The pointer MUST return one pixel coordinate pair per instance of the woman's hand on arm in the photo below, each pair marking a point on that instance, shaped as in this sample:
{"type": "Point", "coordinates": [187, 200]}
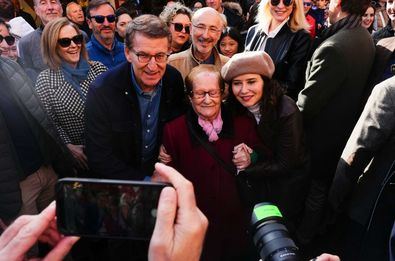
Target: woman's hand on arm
{"type": "Point", "coordinates": [163, 156]}
{"type": "Point", "coordinates": [242, 156]}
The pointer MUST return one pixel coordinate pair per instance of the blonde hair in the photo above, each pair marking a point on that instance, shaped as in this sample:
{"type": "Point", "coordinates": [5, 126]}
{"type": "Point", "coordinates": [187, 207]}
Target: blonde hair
{"type": "Point", "coordinates": [297, 20]}
{"type": "Point", "coordinates": [49, 42]}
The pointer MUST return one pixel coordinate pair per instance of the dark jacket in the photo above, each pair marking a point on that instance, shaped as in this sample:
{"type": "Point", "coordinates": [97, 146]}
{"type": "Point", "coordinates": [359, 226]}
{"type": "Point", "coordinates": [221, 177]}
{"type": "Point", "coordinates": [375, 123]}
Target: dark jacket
{"type": "Point", "coordinates": [52, 149]}
{"type": "Point", "coordinates": [113, 122]}
{"type": "Point", "coordinates": [215, 188]}
{"type": "Point", "coordinates": [384, 32]}
{"type": "Point", "coordinates": [289, 53]}
{"type": "Point", "coordinates": [233, 18]}
{"type": "Point", "coordinates": [281, 177]}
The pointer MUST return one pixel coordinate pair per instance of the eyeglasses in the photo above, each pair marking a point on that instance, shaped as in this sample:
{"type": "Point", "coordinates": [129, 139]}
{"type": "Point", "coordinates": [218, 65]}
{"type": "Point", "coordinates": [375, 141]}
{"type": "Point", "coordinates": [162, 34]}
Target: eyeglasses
{"type": "Point", "coordinates": [100, 18]}
{"type": "Point", "coordinates": [202, 94]}
{"type": "Point", "coordinates": [178, 27]}
{"type": "Point", "coordinates": [308, 4]}
{"type": "Point", "coordinates": [146, 58]}
{"type": "Point", "coordinates": [277, 2]}
{"type": "Point", "coordinates": [66, 42]}
{"type": "Point", "coordinates": [9, 39]}
{"type": "Point", "coordinates": [203, 28]}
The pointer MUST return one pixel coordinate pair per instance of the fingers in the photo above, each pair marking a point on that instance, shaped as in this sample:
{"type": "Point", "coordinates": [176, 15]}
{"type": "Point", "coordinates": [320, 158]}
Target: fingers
{"type": "Point", "coordinates": [29, 233]}
{"type": "Point", "coordinates": [13, 230]}
{"type": "Point", "coordinates": [162, 237]}
{"type": "Point", "coordinates": [184, 188]}
{"type": "Point", "coordinates": [327, 257]}
{"type": "Point", "coordinates": [61, 249]}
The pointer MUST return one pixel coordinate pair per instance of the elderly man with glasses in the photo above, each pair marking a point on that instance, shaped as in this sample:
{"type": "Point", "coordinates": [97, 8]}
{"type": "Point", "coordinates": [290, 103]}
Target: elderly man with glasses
{"type": "Point", "coordinates": [207, 25]}
{"type": "Point", "coordinates": [103, 46]}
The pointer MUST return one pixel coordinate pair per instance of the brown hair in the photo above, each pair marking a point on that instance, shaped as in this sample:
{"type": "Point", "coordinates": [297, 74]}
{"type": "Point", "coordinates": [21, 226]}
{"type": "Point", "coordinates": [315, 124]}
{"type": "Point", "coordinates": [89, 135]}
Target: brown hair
{"type": "Point", "coordinates": [49, 42]}
{"type": "Point", "coordinates": [199, 69]}
{"type": "Point", "coordinates": [93, 4]}
{"type": "Point", "coordinates": [148, 25]}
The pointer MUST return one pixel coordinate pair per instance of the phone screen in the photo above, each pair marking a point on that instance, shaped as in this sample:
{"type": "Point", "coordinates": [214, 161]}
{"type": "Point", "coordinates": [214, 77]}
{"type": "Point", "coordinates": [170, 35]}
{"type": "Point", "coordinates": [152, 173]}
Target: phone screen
{"type": "Point", "coordinates": [107, 208]}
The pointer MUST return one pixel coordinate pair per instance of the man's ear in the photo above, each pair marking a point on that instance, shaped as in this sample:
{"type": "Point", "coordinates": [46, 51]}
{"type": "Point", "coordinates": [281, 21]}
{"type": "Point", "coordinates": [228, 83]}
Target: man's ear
{"type": "Point", "coordinates": [89, 22]}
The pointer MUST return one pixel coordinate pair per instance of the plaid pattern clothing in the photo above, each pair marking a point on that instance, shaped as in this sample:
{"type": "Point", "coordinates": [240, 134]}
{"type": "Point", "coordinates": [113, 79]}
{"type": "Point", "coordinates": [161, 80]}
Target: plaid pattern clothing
{"type": "Point", "coordinates": [64, 104]}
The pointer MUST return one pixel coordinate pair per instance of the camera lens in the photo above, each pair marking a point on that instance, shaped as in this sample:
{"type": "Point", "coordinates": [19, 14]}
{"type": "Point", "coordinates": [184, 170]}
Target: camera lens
{"type": "Point", "coordinates": [270, 236]}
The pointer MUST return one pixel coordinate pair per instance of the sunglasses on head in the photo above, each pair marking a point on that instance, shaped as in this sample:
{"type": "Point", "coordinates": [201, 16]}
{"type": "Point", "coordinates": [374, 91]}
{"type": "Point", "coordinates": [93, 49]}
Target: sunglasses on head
{"type": "Point", "coordinates": [66, 42]}
{"type": "Point", "coordinates": [100, 18]}
{"type": "Point", "coordinates": [277, 2]}
{"type": "Point", "coordinates": [178, 27]}
{"type": "Point", "coordinates": [10, 40]}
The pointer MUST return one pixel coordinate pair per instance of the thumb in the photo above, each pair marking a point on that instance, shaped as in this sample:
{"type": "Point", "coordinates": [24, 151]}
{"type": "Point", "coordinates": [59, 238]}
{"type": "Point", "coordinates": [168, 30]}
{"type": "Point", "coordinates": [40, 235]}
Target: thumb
{"type": "Point", "coordinates": [164, 226]}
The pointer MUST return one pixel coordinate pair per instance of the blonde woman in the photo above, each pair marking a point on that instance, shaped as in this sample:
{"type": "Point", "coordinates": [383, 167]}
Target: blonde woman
{"type": "Point", "coordinates": [63, 87]}
{"type": "Point", "coordinates": [282, 32]}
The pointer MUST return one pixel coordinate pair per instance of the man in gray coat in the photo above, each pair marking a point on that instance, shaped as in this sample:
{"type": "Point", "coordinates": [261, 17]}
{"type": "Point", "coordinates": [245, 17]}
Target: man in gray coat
{"type": "Point", "coordinates": [359, 191]}
{"type": "Point", "coordinates": [29, 45]}
{"type": "Point", "coordinates": [331, 99]}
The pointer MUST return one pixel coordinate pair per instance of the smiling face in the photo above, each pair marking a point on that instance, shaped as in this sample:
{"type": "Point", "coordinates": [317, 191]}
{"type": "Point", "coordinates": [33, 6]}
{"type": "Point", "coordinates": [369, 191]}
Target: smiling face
{"type": "Point", "coordinates": [280, 12]}
{"type": "Point", "coordinates": [206, 31]}
{"type": "Point", "coordinates": [248, 89]}
{"type": "Point", "coordinates": [179, 38]}
{"type": "Point", "coordinates": [228, 46]}
{"type": "Point", "coordinates": [391, 9]}
{"type": "Point", "coordinates": [103, 32]}
{"type": "Point", "coordinates": [122, 22]}
{"type": "Point", "coordinates": [5, 49]}
{"type": "Point", "coordinates": [72, 53]}
{"type": "Point", "coordinates": [368, 17]}
{"type": "Point", "coordinates": [148, 74]}
{"type": "Point", "coordinates": [207, 107]}
{"type": "Point", "coordinates": [48, 10]}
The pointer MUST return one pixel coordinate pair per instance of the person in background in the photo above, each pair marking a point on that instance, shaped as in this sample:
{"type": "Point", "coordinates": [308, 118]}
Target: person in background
{"type": "Point", "coordinates": [282, 32]}
{"type": "Point", "coordinates": [207, 25]}
{"type": "Point", "coordinates": [178, 18]}
{"type": "Point", "coordinates": [7, 42]}
{"type": "Point", "coordinates": [280, 174]}
{"type": "Point", "coordinates": [307, 4]}
{"type": "Point", "coordinates": [197, 4]}
{"type": "Point", "coordinates": [209, 124]}
{"type": "Point", "coordinates": [318, 12]}
{"type": "Point", "coordinates": [10, 9]}
{"type": "Point", "coordinates": [65, 54]}
{"type": "Point", "coordinates": [29, 45]}
{"type": "Point", "coordinates": [103, 46]}
{"type": "Point", "coordinates": [368, 18]}
{"type": "Point", "coordinates": [388, 30]}
{"type": "Point", "coordinates": [232, 17]}
{"type": "Point", "coordinates": [75, 14]}
{"type": "Point", "coordinates": [124, 17]}
{"type": "Point", "coordinates": [20, 12]}
{"type": "Point", "coordinates": [230, 42]}
{"type": "Point", "coordinates": [381, 18]}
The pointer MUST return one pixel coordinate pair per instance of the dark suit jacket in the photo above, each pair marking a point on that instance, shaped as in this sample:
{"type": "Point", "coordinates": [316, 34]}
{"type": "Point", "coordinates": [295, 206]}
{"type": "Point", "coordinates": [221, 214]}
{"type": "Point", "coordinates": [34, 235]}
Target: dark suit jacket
{"type": "Point", "coordinates": [330, 101]}
{"type": "Point", "coordinates": [113, 122]}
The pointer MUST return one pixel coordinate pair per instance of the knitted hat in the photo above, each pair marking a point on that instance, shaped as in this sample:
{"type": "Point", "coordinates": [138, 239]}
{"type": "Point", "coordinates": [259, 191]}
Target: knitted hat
{"type": "Point", "coordinates": [248, 62]}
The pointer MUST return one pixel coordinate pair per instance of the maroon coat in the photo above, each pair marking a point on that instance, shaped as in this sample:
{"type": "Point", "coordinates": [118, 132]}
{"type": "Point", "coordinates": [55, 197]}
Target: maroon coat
{"type": "Point", "coordinates": [215, 188]}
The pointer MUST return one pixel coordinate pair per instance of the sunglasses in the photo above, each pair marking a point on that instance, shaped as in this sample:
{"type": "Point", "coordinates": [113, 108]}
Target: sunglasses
{"type": "Point", "coordinates": [66, 42]}
{"type": "Point", "coordinates": [307, 4]}
{"type": "Point", "coordinates": [9, 39]}
{"type": "Point", "coordinates": [178, 27]}
{"type": "Point", "coordinates": [100, 18]}
{"type": "Point", "coordinates": [277, 2]}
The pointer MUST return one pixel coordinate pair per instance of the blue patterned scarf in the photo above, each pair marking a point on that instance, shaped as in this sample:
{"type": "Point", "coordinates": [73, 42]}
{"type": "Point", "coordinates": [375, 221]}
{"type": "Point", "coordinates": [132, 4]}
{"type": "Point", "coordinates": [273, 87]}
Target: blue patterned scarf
{"type": "Point", "coordinates": [75, 76]}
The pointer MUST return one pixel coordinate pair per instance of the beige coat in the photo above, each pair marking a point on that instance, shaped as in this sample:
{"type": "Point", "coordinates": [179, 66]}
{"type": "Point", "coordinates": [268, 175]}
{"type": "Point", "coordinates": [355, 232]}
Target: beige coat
{"type": "Point", "coordinates": [184, 61]}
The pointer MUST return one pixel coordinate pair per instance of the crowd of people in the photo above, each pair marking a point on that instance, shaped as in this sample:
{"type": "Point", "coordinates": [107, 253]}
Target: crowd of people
{"type": "Point", "coordinates": [282, 101]}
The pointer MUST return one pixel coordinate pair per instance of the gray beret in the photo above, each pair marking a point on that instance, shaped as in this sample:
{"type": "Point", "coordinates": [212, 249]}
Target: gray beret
{"type": "Point", "coordinates": [258, 62]}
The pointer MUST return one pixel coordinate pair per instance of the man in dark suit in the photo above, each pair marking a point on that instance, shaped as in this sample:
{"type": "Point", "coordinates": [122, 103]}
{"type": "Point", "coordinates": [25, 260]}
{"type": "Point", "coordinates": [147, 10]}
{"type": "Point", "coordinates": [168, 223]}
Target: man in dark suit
{"type": "Point", "coordinates": [331, 99]}
{"type": "Point", "coordinates": [127, 107]}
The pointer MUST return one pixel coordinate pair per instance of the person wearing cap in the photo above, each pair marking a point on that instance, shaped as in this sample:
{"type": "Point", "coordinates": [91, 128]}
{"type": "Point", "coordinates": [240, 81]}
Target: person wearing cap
{"type": "Point", "coordinates": [279, 176]}
{"type": "Point", "coordinates": [207, 124]}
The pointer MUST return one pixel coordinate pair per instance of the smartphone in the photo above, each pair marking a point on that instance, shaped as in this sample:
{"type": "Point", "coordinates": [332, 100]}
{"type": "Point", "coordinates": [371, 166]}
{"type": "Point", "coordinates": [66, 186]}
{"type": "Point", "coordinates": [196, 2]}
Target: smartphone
{"type": "Point", "coordinates": [107, 208]}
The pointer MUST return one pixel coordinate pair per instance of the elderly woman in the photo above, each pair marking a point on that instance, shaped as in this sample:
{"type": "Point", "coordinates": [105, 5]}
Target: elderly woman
{"type": "Point", "coordinates": [63, 87]}
{"type": "Point", "coordinates": [178, 18]}
{"type": "Point", "coordinates": [283, 32]}
{"type": "Point", "coordinates": [206, 127]}
{"type": "Point", "coordinates": [280, 175]}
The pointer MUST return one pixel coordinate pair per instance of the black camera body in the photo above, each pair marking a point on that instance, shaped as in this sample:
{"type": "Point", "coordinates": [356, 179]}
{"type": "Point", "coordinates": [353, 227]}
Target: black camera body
{"type": "Point", "coordinates": [270, 236]}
